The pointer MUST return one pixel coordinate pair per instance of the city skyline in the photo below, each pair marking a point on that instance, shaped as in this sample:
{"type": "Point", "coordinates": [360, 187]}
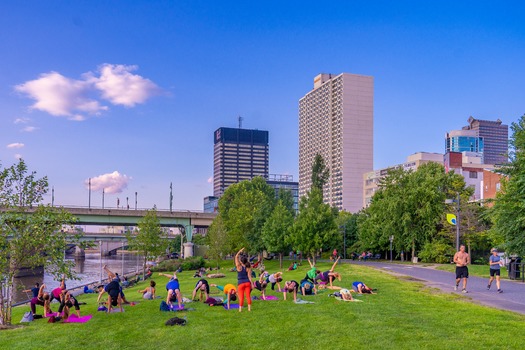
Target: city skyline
{"type": "Point", "coordinates": [128, 95]}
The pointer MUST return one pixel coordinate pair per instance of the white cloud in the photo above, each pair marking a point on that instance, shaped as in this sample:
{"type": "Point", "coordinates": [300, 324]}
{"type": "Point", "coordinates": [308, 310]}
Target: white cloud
{"type": "Point", "coordinates": [29, 128]}
{"type": "Point", "coordinates": [60, 96]}
{"type": "Point", "coordinates": [210, 180]}
{"type": "Point", "coordinates": [65, 97]}
{"type": "Point", "coordinates": [15, 145]}
{"type": "Point", "coordinates": [111, 183]}
{"type": "Point", "coordinates": [22, 120]}
{"type": "Point", "coordinates": [119, 86]}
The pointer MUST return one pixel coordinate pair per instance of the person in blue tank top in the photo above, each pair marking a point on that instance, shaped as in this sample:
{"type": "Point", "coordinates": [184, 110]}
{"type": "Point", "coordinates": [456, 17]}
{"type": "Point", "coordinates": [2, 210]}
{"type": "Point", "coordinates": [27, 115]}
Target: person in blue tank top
{"type": "Point", "coordinates": [495, 263]}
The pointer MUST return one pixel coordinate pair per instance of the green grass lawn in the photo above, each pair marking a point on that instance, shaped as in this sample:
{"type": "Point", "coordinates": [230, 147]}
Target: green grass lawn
{"type": "Point", "coordinates": [403, 314]}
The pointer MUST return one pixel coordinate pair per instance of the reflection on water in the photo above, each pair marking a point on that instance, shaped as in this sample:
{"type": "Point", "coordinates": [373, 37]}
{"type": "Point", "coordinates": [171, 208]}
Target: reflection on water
{"type": "Point", "coordinates": [88, 269]}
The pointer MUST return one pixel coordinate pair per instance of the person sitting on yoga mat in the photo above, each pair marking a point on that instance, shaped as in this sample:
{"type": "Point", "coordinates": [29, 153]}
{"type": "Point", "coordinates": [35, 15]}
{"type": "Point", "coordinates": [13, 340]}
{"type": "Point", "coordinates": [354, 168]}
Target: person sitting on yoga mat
{"type": "Point", "coordinates": [308, 287]}
{"type": "Point", "coordinates": [229, 290]}
{"type": "Point", "coordinates": [330, 275]}
{"type": "Point", "coordinates": [173, 289]}
{"type": "Point", "coordinates": [260, 285]}
{"type": "Point", "coordinates": [204, 288]}
{"type": "Point", "coordinates": [114, 296]}
{"type": "Point", "coordinates": [291, 287]}
{"type": "Point", "coordinates": [149, 292]}
{"type": "Point", "coordinates": [275, 278]}
{"type": "Point", "coordinates": [244, 279]}
{"type": "Point", "coordinates": [68, 301]}
{"type": "Point", "coordinates": [362, 288]}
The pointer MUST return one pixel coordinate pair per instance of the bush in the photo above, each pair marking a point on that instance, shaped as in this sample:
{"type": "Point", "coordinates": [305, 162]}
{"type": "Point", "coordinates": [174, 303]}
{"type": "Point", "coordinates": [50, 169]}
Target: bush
{"type": "Point", "coordinates": [436, 252]}
{"type": "Point", "coordinates": [190, 263]}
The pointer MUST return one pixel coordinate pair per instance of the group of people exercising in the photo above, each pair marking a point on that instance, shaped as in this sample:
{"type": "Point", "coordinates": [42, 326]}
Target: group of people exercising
{"type": "Point", "coordinates": [246, 282]}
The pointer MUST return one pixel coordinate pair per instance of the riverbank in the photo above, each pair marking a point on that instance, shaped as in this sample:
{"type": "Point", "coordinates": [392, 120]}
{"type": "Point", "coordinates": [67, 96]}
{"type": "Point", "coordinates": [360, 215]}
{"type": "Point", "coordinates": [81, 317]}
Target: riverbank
{"type": "Point", "coordinates": [403, 314]}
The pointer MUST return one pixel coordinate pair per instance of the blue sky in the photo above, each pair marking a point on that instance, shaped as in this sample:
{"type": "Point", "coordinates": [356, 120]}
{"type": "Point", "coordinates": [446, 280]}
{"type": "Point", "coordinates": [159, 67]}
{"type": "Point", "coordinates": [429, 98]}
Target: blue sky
{"type": "Point", "coordinates": [90, 88]}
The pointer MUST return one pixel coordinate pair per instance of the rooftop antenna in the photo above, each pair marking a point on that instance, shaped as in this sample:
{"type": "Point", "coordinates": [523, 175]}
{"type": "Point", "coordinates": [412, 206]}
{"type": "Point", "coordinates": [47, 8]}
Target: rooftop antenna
{"type": "Point", "coordinates": [240, 121]}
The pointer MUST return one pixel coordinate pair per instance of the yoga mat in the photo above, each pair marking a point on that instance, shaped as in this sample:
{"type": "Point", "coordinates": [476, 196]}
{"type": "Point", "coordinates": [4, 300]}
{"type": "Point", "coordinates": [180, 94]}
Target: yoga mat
{"type": "Point", "coordinates": [270, 297]}
{"type": "Point", "coordinates": [341, 299]}
{"type": "Point", "coordinates": [301, 301]}
{"type": "Point", "coordinates": [75, 319]}
{"type": "Point", "coordinates": [177, 308]}
{"type": "Point", "coordinates": [232, 306]}
{"type": "Point", "coordinates": [117, 309]}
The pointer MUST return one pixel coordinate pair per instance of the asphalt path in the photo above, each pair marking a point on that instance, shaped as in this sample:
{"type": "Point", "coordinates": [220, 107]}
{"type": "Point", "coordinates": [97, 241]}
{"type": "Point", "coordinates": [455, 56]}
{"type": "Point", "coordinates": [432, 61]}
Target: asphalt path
{"type": "Point", "coordinates": [512, 298]}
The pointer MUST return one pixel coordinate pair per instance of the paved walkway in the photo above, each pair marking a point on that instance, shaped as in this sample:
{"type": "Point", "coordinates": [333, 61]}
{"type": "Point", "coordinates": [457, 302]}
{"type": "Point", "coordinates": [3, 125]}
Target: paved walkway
{"type": "Point", "coordinates": [512, 298]}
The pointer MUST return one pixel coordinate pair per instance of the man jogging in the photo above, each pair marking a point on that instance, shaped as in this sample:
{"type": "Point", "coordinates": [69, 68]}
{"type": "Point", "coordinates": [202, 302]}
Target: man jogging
{"type": "Point", "coordinates": [461, 259]}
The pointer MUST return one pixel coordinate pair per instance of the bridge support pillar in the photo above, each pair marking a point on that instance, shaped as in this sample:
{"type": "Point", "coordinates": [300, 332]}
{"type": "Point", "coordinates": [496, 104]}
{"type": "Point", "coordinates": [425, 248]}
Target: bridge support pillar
{"type": "Point", "coordinates": [79, 252]}
{"type": "Point", "coordinates": [188, 249]}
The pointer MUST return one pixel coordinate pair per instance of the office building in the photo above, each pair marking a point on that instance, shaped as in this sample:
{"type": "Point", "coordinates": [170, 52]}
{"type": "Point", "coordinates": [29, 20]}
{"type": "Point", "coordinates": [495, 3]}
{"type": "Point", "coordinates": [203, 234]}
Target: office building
{"type": "Point", "coordinates": [336, 121]}
{"type": "Point", "coordinates": [211, 204]}
{"type": "Point", "coordinates": [287, 183]}
{"type": "Point", "coordinates": [464, 141]}
{"type": "Point", "coordinates": [238, 154]}
{"type": "Point", "coordinates": [495, 138]}
{"type": "Point", "coordinates": [371, 179]}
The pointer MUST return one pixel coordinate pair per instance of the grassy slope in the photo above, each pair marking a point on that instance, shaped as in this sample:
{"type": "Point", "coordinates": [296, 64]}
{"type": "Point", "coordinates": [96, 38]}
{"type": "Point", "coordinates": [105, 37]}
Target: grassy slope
{"type": "Point", "coordinates": [403, 314]}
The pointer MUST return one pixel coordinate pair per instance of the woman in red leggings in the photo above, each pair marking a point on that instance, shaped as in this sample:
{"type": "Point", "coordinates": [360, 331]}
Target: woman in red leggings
{"type": "Point", "coordinates": [244, 279]}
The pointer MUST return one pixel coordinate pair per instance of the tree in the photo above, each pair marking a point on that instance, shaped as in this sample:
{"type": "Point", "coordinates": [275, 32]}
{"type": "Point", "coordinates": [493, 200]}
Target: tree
{"type": "Point", "coordinates": [315, 226]}
{"type": "Point", "coordinates": [217, 240]}
{"type": "Point", "coordinates": [245, 207]}
{"type": "Point", "coordinates": [508, 213]}
{"type": "Point", "coordinates": [30, 237]}
{"type": "Point", "coordinates": [320, 173]}
{"type": "Point", "coordinates": [149, 239]}
{"type": "Point", "coordinates": [347, 223]}
{"type": "Point", "coordinates": [276, 229]}
{"type": "Point", "coordinates": [410, 206]}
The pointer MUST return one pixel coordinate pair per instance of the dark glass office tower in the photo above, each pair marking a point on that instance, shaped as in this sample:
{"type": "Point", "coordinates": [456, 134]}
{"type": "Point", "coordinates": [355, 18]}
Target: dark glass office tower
{"type": "Point", "coordinates": [238, 154]}
{"type": "Point", "coordinates": [495, 137]}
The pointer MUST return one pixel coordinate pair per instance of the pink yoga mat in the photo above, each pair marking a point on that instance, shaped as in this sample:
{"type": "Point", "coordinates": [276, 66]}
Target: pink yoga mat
{"type": "Point", "coordinates": [270, 297]}
{"type": "Point", "coordinates": [75, 319]}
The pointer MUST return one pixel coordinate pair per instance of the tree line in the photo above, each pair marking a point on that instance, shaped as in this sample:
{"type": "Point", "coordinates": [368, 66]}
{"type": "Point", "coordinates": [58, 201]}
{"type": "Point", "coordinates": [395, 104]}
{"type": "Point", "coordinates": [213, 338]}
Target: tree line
{"type": "Point", "coordinates": [410, 206]}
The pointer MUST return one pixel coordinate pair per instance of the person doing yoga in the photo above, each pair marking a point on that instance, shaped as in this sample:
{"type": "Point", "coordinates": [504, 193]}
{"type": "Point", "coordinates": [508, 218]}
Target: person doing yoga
{"type": "Point", "coordinates": [204, 288]}
{"type": "Point", "coordinates": [330, 275]}
{"type": "Point", "coordinates": [173, 289]}
{"type": "Point", "coordinates": [244, 279]}
{"type": "Point", "coordinates": [230, 292]}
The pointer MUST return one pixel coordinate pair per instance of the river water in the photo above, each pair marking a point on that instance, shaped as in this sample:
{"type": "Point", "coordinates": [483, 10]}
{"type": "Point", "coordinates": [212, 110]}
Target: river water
{"type": "Point", "coordinates": [88, 269]}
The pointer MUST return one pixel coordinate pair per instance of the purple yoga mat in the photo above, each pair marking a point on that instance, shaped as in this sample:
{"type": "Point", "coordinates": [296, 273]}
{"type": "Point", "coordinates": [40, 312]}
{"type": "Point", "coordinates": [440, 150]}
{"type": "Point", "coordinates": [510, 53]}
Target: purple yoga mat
{"type": "Point", "coordinates": [270, 297]}
{"type": "Point", "coordinates": [232, 306]}
{"type": "Point", "coordinates": [75, 319]}
{"type": "Point", "coordinates": [177, 308]}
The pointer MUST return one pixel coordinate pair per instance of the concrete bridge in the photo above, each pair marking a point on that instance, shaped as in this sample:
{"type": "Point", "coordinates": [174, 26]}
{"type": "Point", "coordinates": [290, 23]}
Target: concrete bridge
{"type": "Point", "coordinates": [184, 221]}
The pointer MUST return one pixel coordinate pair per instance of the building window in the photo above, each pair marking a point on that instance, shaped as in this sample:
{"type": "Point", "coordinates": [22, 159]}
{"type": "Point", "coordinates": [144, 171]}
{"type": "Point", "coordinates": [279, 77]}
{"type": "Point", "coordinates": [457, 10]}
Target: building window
{"type": "Point", "coordinates": [473, 174]}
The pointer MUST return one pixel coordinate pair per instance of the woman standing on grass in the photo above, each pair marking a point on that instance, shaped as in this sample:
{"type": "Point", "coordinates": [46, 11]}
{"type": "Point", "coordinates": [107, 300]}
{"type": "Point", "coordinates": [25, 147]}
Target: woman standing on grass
{"type": "Point", "coordinates": [244, 280]}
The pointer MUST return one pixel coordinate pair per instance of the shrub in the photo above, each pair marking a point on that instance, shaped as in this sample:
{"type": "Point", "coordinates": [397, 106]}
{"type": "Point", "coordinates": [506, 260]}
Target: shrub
{"type": "Point", "coordinates": [436, 252]}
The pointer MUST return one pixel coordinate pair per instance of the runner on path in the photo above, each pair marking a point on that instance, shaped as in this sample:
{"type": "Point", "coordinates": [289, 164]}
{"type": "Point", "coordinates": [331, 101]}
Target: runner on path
{"type": "Point", "coordinates": [462, 259]}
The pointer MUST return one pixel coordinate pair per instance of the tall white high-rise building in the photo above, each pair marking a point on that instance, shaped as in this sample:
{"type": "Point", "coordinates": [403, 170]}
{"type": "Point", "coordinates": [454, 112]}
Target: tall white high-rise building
{"type": "Point", "coordinates": [336, 120]}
